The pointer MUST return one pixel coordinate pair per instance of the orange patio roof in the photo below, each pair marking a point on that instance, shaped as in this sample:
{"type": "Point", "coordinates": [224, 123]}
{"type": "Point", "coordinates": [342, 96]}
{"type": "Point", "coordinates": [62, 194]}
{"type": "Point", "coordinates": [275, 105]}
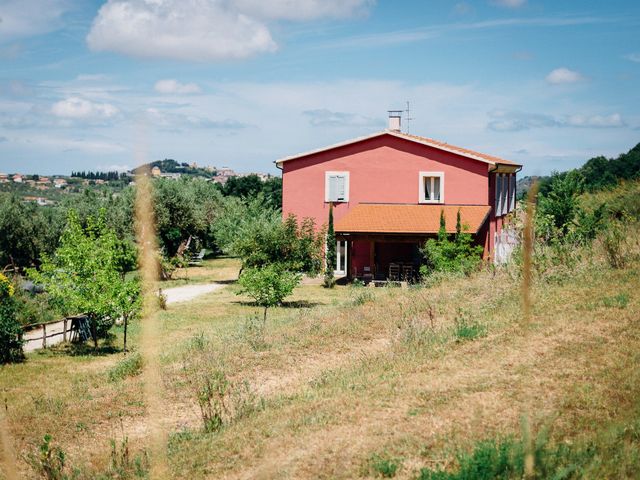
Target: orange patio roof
{"type": "Point", "coordinates": [410, 219]}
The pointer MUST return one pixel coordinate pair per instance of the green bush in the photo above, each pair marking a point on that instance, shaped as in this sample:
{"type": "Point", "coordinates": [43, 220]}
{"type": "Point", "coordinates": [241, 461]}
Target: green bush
{"type": "Point", "coordinates": [444, 254]}
{"type": "Point", "coordinates": [10, 329]}
{"type": "Point", "coordinates": [129, 366]}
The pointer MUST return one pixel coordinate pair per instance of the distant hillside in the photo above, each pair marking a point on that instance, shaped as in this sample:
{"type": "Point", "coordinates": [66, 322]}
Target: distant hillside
{"type": "Point", "coordinates": [596, 174]}
{"type": "Point", "coordinates": [169, 165]}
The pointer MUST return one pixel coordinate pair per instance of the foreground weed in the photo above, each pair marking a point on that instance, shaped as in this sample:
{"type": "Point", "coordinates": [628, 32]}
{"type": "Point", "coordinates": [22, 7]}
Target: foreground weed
{"type": "Point", "coordinates": [129, 366]}
{"type": "Point", "coordinates": [617, 301]}
{"type": "Point", "coordinates": [220, 399]}
{"type": "Point", "coordinates": [252, 332]}
{"type": "Point", "coordinates": [467, 328]}
{"type": "Point", "coordinates": [359, 294]}
{"type": "Point", "coordinates": [50, 460]}
{"type": "Point", "coordinates": [383, 466]}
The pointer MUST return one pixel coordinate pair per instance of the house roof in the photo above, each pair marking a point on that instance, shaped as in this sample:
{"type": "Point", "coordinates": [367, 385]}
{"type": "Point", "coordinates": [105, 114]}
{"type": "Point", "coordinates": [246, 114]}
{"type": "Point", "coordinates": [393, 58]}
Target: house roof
{"type": "Point", "coordinates": [413, 219]}
{"type": "Point", "coordinates": [465, 152]}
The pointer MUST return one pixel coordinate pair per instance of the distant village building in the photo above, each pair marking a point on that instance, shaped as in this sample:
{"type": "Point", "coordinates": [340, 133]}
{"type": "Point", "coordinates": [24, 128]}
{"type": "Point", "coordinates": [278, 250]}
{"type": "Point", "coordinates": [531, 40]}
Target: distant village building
{"type": "Point", "coordinates": [4, 178]}
{"type": "Point", "coordinates": [156, 172]}
{"type": "Point", "coordinates": [59, 183]}
{"type": "Point", "coordinates": [171, 175]}
{"type": "Point", "coordinates": [17, 178]}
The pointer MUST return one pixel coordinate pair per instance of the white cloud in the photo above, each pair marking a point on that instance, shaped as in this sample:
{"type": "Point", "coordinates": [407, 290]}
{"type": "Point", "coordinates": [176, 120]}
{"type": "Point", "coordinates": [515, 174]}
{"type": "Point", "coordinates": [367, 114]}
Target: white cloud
{"type": "Point", "coordinates": [92, 77]}
{"type": "Point", "coordinates": [171, 86]}
{"type": "Point", "coordinates": [634, 57]}
{"type": "Point", "coordinates": [22, 18]}
{"type": "Point", "coordinates": [177, 121]}
{"type": "Point", "coordinates": [509, 3]}
{"type": "Point", "coordinates": [196, 30]}
{"type": "Point", "coordinates": [77, 108]}
{"type": "Point", "coordinates": [302, 9]}
{"type": "Point", "coordinates": [515, 121]}
{"type": "Point", "coordinates": [204, 30]}
{"type": "Point", "coordinates": [595, 121]}
{"type": "Point", "coordinates": [114, 168]}
{"type": "Point", "coordinates": [327, 118]}
{"type": "Point", "coordinates": [563, 75]}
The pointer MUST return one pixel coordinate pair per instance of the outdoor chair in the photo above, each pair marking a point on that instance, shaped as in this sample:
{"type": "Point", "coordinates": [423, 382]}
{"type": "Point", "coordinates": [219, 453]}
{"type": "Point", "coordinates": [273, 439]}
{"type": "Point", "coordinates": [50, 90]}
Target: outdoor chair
{"type": "Point", "coordinates": [394, 271]}
{"type": "Point", "coordinates": [197, 259]}
{"type": "Point", "coordinates": [407, 273]}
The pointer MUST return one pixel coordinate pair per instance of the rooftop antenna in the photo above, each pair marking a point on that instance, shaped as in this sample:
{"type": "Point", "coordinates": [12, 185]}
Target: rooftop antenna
{"type": "Point", "coordinates": [409, 117]}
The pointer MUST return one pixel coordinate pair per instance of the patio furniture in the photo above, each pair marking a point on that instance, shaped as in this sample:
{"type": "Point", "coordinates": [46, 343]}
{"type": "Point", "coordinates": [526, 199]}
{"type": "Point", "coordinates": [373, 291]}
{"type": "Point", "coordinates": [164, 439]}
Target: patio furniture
{"type": "Point", "coordinates": [394, 271]}
{"type": "Point", "coordinates": [407, 273]}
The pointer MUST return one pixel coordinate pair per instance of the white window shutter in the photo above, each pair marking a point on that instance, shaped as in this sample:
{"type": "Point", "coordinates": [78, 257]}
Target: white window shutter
{"type": "Point", "coordinates": [498, 183]}
{"type": "Point", "coordinates": [340, 188]}
{"type": "Point", "coordinates": [513, 192]}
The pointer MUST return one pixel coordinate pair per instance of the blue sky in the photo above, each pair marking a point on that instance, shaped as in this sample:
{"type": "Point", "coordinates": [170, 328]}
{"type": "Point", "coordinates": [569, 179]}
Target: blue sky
{"type": "Point", "coordinates": [106, 84]}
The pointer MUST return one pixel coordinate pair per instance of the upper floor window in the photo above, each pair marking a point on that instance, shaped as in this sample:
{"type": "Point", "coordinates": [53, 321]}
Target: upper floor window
{"type": "Point", "coordinates": [431, 187]}
{"type": "Point", "coordinates": [336, 187]}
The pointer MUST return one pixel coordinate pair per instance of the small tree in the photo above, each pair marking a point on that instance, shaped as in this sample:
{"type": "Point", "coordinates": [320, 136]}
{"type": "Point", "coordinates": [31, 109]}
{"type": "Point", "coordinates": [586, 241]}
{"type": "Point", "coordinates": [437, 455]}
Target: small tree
{"type": "Point", "coordinates": [83, 275]}
{"type": "Point", "coordinates": [329, 280]}
{"type": "Point", "coordinates": [268, 285]}
{"type": "Point", "coordinates": [10, 330]}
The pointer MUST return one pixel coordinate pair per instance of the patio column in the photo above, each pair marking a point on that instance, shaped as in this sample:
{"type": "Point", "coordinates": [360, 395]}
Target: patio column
{"type": "Point", "coordinates": [372, 254]}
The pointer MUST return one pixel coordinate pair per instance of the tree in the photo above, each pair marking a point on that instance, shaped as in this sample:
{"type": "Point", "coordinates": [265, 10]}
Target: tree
{"type": "Point", "coordinates": [83, 275]}
{"type": "Point", "coordinates": [27, 231]}
{"type": "Point", "coordinates": [560, 202]}
{"type": "Point", "coordinates": [10, 330]}
{"type": "Point", "coordinates": [249, 229]}
{"type": "Point", "coordinates": [268, 285]}
{"type": "Point", "coordinates": [329, 280]}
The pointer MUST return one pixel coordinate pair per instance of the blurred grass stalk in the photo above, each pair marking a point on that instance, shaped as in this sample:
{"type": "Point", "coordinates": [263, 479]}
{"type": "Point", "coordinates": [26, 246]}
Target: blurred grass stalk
{"type": "Point", "coordinates": [151, 335]}
{"type": "Point", "coordinates": [527, 254]}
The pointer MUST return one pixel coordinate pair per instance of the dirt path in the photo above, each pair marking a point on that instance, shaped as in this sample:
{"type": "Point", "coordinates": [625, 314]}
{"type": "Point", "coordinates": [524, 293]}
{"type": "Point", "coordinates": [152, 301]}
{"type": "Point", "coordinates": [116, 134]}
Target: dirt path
{"type": "Point", "coordinates": [189, 292]}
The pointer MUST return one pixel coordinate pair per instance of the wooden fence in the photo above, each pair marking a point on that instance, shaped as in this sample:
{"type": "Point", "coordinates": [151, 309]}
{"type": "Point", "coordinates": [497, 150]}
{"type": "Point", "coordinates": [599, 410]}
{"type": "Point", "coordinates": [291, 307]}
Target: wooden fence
{"type": "Point", "coordinates": [70, 328]}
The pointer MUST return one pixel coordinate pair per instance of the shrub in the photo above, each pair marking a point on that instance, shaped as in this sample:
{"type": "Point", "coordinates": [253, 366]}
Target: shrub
{"type": "Point", "coordinates": [129, 366]}
{"type": "Point", "coordinates": [10, 329]}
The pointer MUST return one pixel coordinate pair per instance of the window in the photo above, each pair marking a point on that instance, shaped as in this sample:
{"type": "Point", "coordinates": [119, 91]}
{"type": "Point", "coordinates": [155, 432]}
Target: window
{"type": "Point", "coordinates": [336, 187]}
{"type": "Point", "coordinates": [512, 185]}
{"type": "Point", "coordinates": [341, 258]}
{"type": "Point", "coordinates": [431, 187]}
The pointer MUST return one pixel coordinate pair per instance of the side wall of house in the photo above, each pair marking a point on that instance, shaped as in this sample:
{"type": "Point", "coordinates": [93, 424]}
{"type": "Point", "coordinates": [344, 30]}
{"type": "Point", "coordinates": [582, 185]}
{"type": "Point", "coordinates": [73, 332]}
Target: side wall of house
{"type": "Point", "coordinates": [383, 169]}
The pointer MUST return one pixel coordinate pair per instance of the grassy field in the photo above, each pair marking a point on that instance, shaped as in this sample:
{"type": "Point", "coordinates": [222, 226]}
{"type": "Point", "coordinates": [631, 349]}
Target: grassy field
{"type": "Point", "coordinates": [358, 382]}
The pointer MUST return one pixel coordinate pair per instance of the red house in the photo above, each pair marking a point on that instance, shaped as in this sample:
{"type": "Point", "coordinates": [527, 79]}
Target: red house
{"type": "Point", "coordinates": [388, 190]}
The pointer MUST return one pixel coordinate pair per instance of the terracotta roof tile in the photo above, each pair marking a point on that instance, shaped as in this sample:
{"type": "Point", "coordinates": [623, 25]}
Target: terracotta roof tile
{"type": "Point", "coordinates": [416, 219]}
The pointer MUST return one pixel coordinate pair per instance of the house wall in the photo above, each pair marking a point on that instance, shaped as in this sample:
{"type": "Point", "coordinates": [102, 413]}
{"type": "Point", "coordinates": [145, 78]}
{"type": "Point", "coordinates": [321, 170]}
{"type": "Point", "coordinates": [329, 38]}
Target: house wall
{"type": "Point", "coordinates": [383, 169]}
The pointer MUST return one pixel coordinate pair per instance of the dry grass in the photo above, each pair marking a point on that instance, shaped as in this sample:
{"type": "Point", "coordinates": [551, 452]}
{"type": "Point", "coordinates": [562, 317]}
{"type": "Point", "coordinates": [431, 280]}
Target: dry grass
{"type": "Point", "coordinates": [340, 382]}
